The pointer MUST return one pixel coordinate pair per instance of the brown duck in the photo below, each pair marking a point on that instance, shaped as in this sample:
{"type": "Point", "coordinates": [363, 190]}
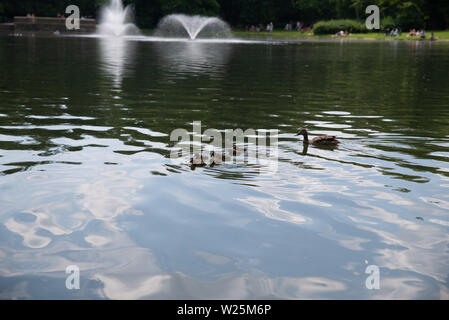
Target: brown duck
{"type": "Point", "coordinates": [319, 141]}
{"type": "Point", "coordinates": [198, 161]}
{"type": "Point", "coordinates": [237, 150]}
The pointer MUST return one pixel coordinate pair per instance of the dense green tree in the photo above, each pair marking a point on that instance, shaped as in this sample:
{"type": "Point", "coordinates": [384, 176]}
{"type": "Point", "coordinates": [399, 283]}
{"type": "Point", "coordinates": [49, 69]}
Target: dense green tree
{"type": "Point", "coordinates": [203, 7]}
{"type": "Point", "coordinates": [315, 10]}
{"type": "Point", "coordinates": [147, 12]}
{"type": "Point", "coordinates": [49, 8]}
{"type": "Point", "coordinates": [247, 12]}
{"type": "Point", "coordinates": [411, 13]}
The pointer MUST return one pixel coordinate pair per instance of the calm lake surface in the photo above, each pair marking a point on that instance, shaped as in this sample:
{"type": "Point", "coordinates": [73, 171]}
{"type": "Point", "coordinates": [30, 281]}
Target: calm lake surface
{"type": "Point", "coordinates": [86, 177]}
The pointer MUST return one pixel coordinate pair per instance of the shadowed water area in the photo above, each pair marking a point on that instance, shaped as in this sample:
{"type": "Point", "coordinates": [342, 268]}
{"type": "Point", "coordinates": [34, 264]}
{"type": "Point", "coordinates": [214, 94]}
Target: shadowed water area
{"type": "Point", "coordinates": [86, 178]}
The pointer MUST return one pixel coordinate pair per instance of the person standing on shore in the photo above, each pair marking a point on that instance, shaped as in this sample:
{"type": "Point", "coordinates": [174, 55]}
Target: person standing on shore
{"type": "Point", "coordinates": [422, 34]}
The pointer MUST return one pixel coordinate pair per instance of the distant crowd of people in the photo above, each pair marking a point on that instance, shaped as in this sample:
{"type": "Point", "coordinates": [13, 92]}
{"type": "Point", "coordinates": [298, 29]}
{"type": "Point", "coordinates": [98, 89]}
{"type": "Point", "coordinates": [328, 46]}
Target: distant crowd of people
{"type": "Point", "coordinates": [59, 15]}
{"type": "Point", "coordinates": [396, 32]}
{"type": "Point", "coordinates": [299, 26]}
{"type": "Point", "coordinates": [421, 34]}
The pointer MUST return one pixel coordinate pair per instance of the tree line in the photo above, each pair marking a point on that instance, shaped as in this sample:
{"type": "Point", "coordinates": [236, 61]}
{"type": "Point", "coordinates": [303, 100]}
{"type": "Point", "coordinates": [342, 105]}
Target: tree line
{"type": "Point", "coordinates": [431, 14]}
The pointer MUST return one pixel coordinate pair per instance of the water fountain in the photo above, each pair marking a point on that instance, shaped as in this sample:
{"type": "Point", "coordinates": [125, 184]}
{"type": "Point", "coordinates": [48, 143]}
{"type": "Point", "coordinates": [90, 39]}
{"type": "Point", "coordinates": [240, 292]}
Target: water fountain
{"type": "Point", "coordinates": [177, 25]}
{"type": "Point", "coordinates": [116, 20]}
{"type": "Point", "coordinates": [116, 24]}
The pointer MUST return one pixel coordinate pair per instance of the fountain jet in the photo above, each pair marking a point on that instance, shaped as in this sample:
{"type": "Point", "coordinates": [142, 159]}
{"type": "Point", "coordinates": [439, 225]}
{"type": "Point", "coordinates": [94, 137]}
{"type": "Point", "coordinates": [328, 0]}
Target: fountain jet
{"type": "Point", "coordinates": [116, 20]}
{"type": "Point", "coordinates": [177, 24]}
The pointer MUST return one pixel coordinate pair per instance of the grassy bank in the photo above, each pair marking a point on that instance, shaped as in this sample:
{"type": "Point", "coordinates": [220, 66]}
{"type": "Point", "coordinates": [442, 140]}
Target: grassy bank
{"type": "Point", "coordinates": [441, 35]}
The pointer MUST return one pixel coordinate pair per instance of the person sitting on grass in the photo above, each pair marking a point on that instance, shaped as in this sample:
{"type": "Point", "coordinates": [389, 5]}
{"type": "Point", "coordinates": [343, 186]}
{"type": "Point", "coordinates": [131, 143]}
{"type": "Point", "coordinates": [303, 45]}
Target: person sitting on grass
{"type": "Point", "coordinates": [394, 33]}
{"type": "Point", "coordinates": [422, 34]}
{"type": "Point", "coordinates": [341, 34]}
{"type": "Point", "coordinates": [412, 33]}
{"type": "Point", "coordinates": [337, 34]}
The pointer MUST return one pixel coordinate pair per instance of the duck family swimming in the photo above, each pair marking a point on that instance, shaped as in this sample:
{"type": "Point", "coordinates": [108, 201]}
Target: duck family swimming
{"type": "Point", "coordinates": [199, 160]}
{"type": "Point", "coordinates": [318, 141]}
{"type": "Point", "coordinates": [202, 160]}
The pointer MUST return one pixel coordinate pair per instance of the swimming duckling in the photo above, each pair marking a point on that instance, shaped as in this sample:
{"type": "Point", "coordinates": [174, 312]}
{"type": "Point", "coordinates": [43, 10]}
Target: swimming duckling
{"type": "Point", "coordinates": [197, 161]}
{"type": "Point", "coordinates": [236, 150]}
{"type": "Point", "coordinates": [319, 141]}
{"type": "Point", "coordinates": [217, 158]}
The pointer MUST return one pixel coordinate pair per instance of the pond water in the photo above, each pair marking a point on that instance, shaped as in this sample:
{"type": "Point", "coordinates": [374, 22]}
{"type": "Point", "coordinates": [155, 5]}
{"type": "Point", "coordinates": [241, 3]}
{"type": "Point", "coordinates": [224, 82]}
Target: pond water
{"type": "Point", "coordinates": [86, 177]}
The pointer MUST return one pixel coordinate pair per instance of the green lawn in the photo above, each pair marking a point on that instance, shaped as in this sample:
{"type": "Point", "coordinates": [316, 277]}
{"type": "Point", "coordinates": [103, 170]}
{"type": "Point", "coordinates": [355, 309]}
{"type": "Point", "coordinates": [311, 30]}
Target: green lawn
{"type": "Point", "coordinates": [274, 34]}
{"type": "Point", "coordinates": [442, 35]}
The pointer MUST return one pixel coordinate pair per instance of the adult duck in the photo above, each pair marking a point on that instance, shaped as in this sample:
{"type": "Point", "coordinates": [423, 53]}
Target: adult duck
{"type": "Point", "coordinates": [319, 141]}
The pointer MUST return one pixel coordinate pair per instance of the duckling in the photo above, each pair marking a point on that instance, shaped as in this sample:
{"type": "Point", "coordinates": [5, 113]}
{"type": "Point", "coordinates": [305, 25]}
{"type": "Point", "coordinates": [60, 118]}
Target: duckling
{"type": "Point", "coordinates": [197, 161]}
{"type": "Point", "coordinates": [319, 141]}
{"type": "Point", "coordinates": [217, 158]}
{"type": "Point", "coordinates": [236, 151]}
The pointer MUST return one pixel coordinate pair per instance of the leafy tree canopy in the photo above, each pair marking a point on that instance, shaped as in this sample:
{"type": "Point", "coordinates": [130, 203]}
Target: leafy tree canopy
{"type": "Point", "coordinates": [432, 14]}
